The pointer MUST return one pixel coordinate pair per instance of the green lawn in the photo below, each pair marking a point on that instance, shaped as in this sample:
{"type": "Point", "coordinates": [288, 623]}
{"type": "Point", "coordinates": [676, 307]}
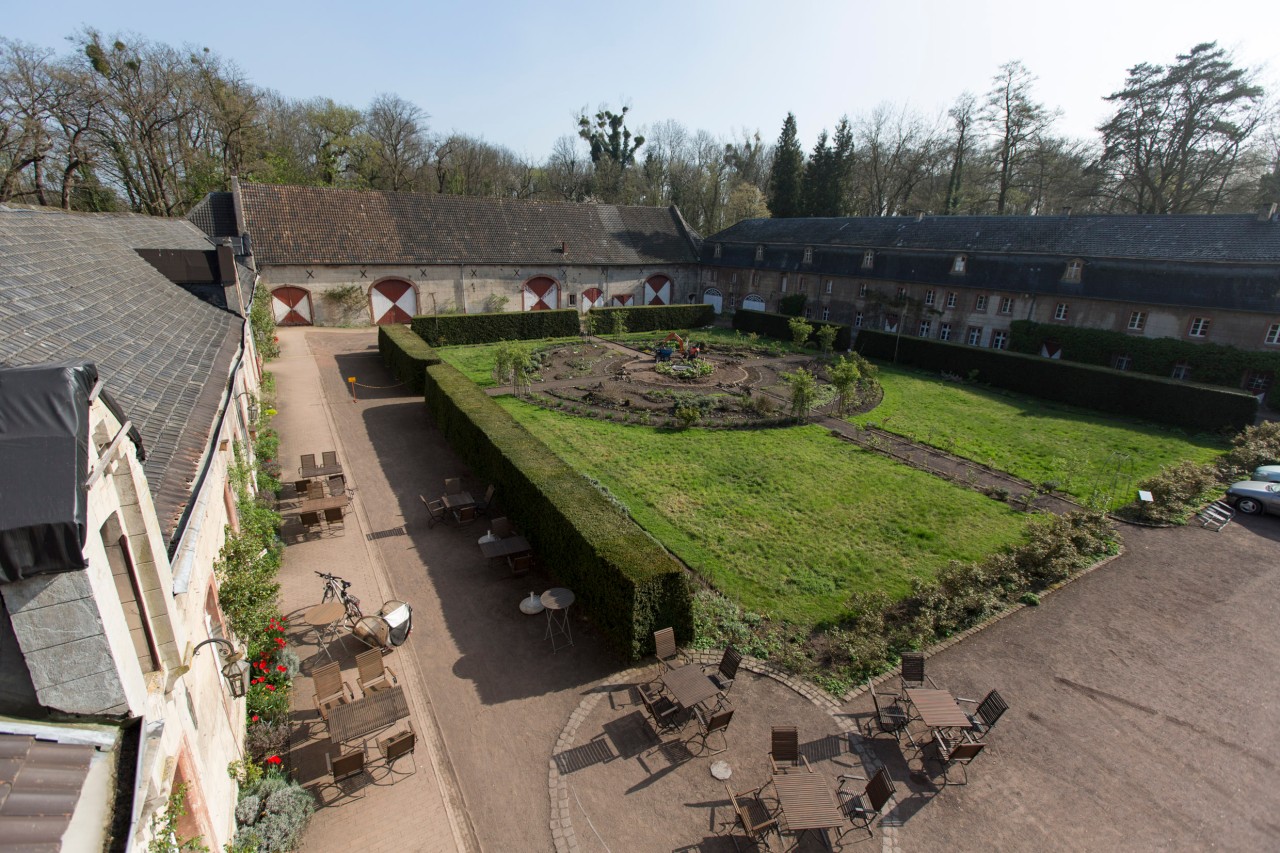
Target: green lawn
{"type": "Point", "coordinates": [1029, 438]}
{"type": "Point", "coordinates": [786, 521]}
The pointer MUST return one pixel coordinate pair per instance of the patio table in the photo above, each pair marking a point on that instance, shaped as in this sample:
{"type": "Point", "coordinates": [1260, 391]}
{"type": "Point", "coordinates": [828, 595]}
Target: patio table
{"type": "Point", "coordinates": [325, 618]}
{"type": "Point", "coordinates": [317, 505]}
{"type": "Point", "coordinates": [508, 547]}
{"type": "Point", "coordinates": [689, 685]}
{"type": "Point", "coordinates": [807, 802]}
{"type": "Point", "coordinates": [377, 710]}
{"type": "Point", "coordinates": [458, 501]}
{"type": "Point", "coordinates": [937, 708]}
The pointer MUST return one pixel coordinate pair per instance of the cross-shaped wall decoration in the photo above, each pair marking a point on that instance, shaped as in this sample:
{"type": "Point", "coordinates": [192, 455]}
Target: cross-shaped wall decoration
{"type": "Point", "coordinates": [422, 272]}
{"type": "Point", "coordinates": [473, 274]}
{"type": "Point", "coordinates": [310, 274]}
{"type": "Point", "coordinates": [364, 273]}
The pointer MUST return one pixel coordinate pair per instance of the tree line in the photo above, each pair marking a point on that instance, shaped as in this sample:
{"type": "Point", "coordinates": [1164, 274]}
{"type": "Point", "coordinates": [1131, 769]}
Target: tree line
{"type": "Point", "coordinates": [124, 123]}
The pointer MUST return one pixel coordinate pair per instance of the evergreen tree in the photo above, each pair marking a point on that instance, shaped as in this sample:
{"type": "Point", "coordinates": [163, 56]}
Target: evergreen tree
{"type": "Point", "coordinates": [817, 187]}
{"type": "Point", "coordinates": [788, 170]}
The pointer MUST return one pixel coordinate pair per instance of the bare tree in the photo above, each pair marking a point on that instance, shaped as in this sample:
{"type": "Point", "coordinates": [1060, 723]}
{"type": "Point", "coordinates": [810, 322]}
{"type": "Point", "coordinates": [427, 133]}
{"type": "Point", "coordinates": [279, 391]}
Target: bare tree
{"type": "Point", "coordinates": [1013, 120]}
{"type": "Point", "coordinates": [396, 129]}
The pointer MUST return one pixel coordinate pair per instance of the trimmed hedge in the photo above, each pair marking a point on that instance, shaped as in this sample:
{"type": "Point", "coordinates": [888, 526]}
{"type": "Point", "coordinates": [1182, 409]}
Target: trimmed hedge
{"type": "Point", "coordinates": [1212, 364]}
{"type": "Point", "coordinates": [406, 355]}
{"type": "Point", "coordinates": [1200, 408]}
{"type": "Point", "coordinates": [775, 326]}
{"type": "Point", "coordinates": [653, 318]}
{"type": "Point", "coordinates": [622, 577]}
{"type": "Point", "coordinates": [455, 329]}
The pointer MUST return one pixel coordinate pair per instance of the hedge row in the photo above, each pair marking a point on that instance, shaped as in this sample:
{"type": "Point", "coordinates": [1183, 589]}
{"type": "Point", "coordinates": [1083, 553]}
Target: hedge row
{"type": "Point", "coordinates": [775, 326]}
{"type": "Point", "coordinates": [1213, 364]}
{"type": "Point", "coordinates": [653, 318]}
{"type": "Point", "coordinates": [454, 329]}
{"type": "Point", "coordinates": [1198, 408]}
{"type": "Point", "coordinates": [406, 355]}
{"type": "Point", "coordinates": [623, 578]}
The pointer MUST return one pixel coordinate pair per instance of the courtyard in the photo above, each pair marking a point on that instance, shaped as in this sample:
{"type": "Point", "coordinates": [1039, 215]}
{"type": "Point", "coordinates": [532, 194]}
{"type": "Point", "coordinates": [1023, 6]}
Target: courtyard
{"type": "Point", "coordinates": [1125, 680]}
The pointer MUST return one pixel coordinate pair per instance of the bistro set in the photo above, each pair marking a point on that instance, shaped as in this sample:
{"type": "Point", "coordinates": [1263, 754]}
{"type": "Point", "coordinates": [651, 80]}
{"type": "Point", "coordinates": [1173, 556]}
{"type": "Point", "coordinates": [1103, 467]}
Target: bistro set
{"type": "Point", "coordinates": [319, 496]}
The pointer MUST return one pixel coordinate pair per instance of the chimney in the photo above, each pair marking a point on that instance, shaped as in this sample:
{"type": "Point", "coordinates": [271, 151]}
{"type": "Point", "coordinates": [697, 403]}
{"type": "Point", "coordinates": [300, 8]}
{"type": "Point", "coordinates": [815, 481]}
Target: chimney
{"type": "Point", "coordinates": [564, 248]}
{"type": "Point", "coordinates": [1066, 210]}
{"type": "Point", "coordinates": [1267, 212]}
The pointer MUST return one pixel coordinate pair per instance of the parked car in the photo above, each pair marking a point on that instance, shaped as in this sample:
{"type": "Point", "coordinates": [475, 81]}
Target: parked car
{"type": "Point", "coordinates": [1267, 474]}
{"type": "Point", "coordinates": [1254, 496]}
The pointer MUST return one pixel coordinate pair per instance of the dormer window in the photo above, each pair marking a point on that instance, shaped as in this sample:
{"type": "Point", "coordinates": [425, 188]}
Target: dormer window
{"type": "Point", "coordinates": [958, 264]}
{"type": "Point", "coordinates": [1074, 267]}
{"type": "Point", "coordinates": [760, 252]}
{"type": "Point", "coordinates": [808, 255]}
{"type": "Point", "coordinates": [868, 259]}
{"type": "Point", "coordinates": [715, 252]}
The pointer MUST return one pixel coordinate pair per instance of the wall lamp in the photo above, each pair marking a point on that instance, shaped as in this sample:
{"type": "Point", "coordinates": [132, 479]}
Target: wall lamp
{"type": "Point", "coordinates": [235, 669]}
{"type": "Point", "coordinates": [253, 405]}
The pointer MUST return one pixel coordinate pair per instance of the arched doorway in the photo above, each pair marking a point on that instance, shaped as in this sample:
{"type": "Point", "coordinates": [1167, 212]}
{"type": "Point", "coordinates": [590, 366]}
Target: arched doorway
{"type": "Point", "coordinates": [620, 300]}
{"type": "Point", "coordinates": [393, 301]}
{"type": "Point", "coordinates": [291, 306]}
{"type": "Point", "coordinates": [711, 296]}
{"type": "Point", "coordinates": [657, 290]}
{"type": "Point", "coordinates": [592, 297]}
{"type": "Point", "coordinates": [541, 294]}
{"type": "Point", "coordinates": [753, 302]}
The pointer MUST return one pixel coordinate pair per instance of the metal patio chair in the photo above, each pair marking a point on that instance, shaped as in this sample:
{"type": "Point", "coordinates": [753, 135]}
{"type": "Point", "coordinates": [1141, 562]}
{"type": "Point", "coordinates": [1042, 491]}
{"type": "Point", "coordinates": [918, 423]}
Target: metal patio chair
{"type": "Point", "coordinates": [329, 459]}
{"type": "Point", "coordinates": [435, 510]}
{"type": "Point", "coordinates": [710, 724]}
{"type": "Point", "coordinates": [755, 818]}
{"type": "Point", "coordinates": [784, 749]}
{"type": "Point", "coordinates": [990, 709]}
{"type": "Point", "coordinates": [862, 807]}
{"type": "Point", "coordinates": [664, 712]}
{"type": "Point", "coordinates": [957, 751]}
{"type": "Point", "coordinates": [374, 674]}
{"type": "Point", "coordinates": [308, 460]}
{"type": "Point", "coordinates": [398, 746]}
{"type": "Point", "coordinates": [891, 717]}
{"type": "Point", "coordinates": [727, 671]}
{"type": "Point", "coordinates": [331, 690]}
{"type": "Point", "coordinates": [913, 671]}
{"type": "Point", "coordinates": [664, 643]}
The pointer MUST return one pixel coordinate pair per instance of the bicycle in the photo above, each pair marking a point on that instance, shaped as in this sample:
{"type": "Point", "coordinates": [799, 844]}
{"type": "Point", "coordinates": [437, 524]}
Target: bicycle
{"type": "Point", "coordinates": [335, 589]}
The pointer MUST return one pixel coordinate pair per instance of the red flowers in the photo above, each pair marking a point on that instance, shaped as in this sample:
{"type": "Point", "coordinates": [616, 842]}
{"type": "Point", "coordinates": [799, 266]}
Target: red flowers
{"type": "Point", "coordinates": [257, 681]}
{"type": "Point", "coordinates": [282, 668]}
{"type": "Point", "coordinates": [273, 759]}
{"type": "Point", "coordinates": [271, 687]}
{"type": "Point", "coordinates": [280, 642]}
{"type": "Point", "coordinates": [255, 718]}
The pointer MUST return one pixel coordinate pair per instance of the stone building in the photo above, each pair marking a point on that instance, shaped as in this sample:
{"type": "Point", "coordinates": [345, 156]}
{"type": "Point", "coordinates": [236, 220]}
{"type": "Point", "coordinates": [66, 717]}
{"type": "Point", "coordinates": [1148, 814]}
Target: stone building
{"type": "Point", "coordinates": [126, 377]}
{"type": "Point", "coordinates": [347, 257]}
{"type": "Point", "coordinates": [1198, 278]}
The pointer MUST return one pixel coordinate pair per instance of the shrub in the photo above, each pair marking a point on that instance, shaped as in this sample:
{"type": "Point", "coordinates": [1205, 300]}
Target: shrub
{"type": "Point", "coordinates": [1179, 490]}
{"type": "Point", "coordinates": [826, 338]}
{"type": "Point", "coordinates": [622, 577]}
{"type": "Point", "coordinates": [688, 416]}
{"type": "Point", "coordinates": [1254, 446]}
{"type": "Point", "coordinates": [456, 329]}
{"type": "Point", "coordinates": [263, 323]}
{"type": "Point", "coordinates": [1196, 407]}
{"type": "Point", "coordinates": [271, 814]}
{"type": "Point", "coordinates": [792, 304]}
{"type": "Point", "coordinates": [776, 326]}
{"type": "Point", "coordinates": [406, 355]}
{"type": "Point", "coordinates": [652, 318]}
{"type": "Point", "coordinates": [800, 330]}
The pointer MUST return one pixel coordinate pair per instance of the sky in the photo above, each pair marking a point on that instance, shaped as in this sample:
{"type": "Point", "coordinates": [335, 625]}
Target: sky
{"type": "Point", "coordinates": [516, 74]}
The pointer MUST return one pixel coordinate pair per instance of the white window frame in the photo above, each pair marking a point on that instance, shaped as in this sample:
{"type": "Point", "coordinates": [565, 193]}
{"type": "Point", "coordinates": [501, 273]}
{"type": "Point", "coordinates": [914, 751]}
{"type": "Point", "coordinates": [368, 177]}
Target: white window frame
{"type": "Point", "coordinates": [862, 289]}
{"type": "Point", "coordinates": [1257, 383]}
{"type": "Point", "coordinates": [980, 302]}
{"type": "Point", "coordinates": [783, 286]}
{"type": "Point", "coordinates": [715, 252]}
{"type": "Point", "coordinates": [857, 320]}
{"type": "Point", "coordinates": [929, 297]}
{"type": "Point", "coordinates": [951, 300]}
{"type": "Point", "coordinates": [1199, 327]}
{"type": "Point", "coordinates": [1273, 334]}
{"type": "Point", "coordinates": [958, 265]}
{"type": "Point", "coordinates": [944, 331]}
{"type": "Point", "coordinates": [808, 313]}
{"type": "Point", "coordinates": [926, 328]}
{"type": "Point", "coordinates": [868, 259]}
{"type": "Point", "coordinates": [1061, 311]}
{"type": "Point", "coordinates": [759, 251]}
{"type": "Point", "coordinates": [1181, 371]}
{"type": "Point", "coordinates": [1000, 339]}
{"type": "Point", "coordinates": [1122, 362]}
{"type": "Point", "coordinates": [1006, 305]}
{"type": "Point", "coordinates": [1137, 321]}
{"type": "Point", "coordinates": [808, 255]}
{"type": "Point", "coordinates": [826, 312]}
{"type": "Point", "coordinates": [828, 286]}
{"type": "Point", "coordinates": [973, 336]}
{"type": "Point", "coordinates": [1074, 267]}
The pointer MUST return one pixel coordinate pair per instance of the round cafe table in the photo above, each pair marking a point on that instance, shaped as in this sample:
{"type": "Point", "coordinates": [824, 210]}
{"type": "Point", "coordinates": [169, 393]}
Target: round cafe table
{"type": "Point", "coordinates": [557, 601]}
{"type": "Point", "coordinates": [325, 618]}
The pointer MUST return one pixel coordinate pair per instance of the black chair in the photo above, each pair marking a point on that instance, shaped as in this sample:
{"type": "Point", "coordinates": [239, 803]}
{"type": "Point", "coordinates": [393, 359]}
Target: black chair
{"type": "Point", "coordinates": [728, 669]}
{"type": "Point", "coordinates": [753, 816]}
{"type": "Point", "coordinates": [464, 515]}
{"type": "Point", "coordinates": [520, 564]}
{"type": "Point", "coordinates": [784, 749]}
{"type": "Point", "coordinates": [347, 766]}
{"type": "Point", "coordinates": [662, 709]}
{"type": "Point", "coordinates": [486, 503]}
{"type": "Point", "coordinates": [990, 709]}
{"type": "Point", "coordinates": [862, 807]}
{"type": "Point", "coordinates": [664, 644]}
{"type": "Point", "coordinates": [398, 746]}
{"type": "Point", "coordinates": [891, 717]}
{"type": "Point", "coordinates": [956, 750]}
{"type": "Point", "coordinates": [710, 724]}
{"type": "Point", "coordinates": [435, 510]}
{"type": "Point", "coordinates": [913, 671]}
{"type": "Point", "coordinates": [333, 520]}
{"type": "Point", "coordinates": [310, 521]}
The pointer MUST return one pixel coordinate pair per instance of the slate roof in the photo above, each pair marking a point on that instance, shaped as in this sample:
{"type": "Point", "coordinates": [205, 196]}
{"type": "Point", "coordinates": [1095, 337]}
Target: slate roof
{"type": "Point", "coordinates": [72, 287]}
{"type": "Point", "coordinates": [314, 225]}
{"type": "Point", "coordinates": [1235, 238]}
{"type": "Point", "coordinates": [40, 785]}
{"type": "Point", "coordinates": [215, 215]}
